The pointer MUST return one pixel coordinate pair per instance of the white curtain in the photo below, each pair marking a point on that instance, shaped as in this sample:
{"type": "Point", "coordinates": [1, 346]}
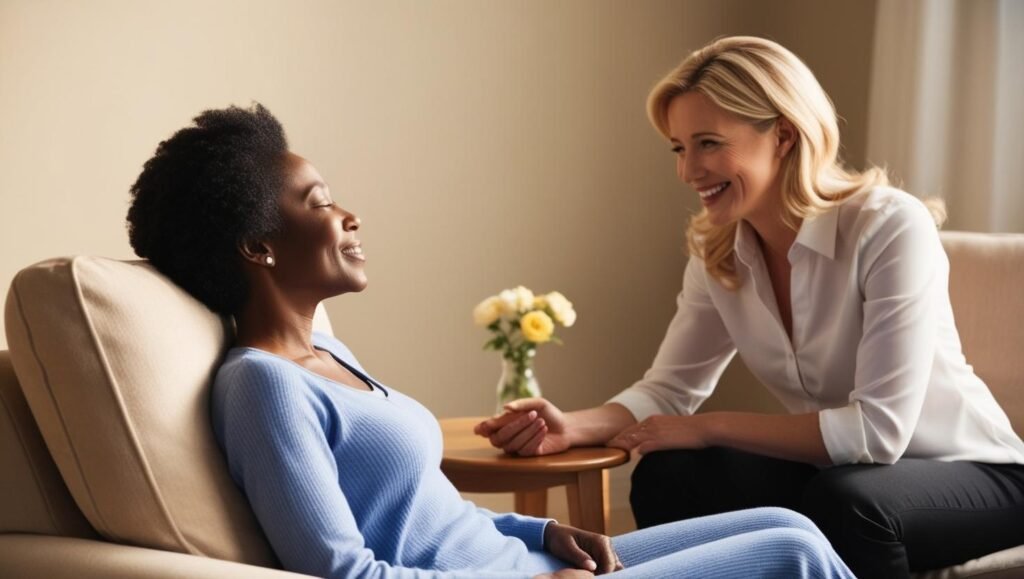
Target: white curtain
{"type": "Point", "coordinates": [946, 114]}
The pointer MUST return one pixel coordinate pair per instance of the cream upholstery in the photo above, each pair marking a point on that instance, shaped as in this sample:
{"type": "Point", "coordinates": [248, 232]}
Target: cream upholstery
{"type": "Point", "coordinates": [985, 286]}
{"type": "Point", "coordinates": [33, 497]}
{"type": "Point", "coordinates": [115, 363]}
{"type": "Point", "coordinates": [29, 557]}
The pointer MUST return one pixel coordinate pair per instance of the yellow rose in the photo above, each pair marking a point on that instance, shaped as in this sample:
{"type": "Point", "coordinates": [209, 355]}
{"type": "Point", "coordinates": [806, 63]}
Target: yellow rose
{"type": "Point", "coordinates": [487, 311]}
{"type": "Point", "coordinates": [537, 327]}
{"type": "Point", "coordinates": [561, 308]}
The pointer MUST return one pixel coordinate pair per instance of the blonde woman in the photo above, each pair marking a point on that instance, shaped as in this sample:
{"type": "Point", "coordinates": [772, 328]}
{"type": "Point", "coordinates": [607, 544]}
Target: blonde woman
{"type": "Point", "coordinates": [832, 286]}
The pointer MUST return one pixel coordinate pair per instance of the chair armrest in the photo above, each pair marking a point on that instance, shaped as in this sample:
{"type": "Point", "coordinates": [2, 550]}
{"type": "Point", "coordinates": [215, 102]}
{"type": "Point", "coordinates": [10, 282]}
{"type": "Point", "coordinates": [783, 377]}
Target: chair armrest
{"type": "Point", "coordinates": [48, 557]}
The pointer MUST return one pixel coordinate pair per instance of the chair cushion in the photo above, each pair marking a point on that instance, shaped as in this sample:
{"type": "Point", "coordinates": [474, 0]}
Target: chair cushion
{"type": "Point", "coordinates": [33, 497]}
{"type": "Point", "coordinates": [116, 363]}
{"type": "Point", "coordinates": [1006, 564]}
{"type": "Point", "coordinates": [986, 274]}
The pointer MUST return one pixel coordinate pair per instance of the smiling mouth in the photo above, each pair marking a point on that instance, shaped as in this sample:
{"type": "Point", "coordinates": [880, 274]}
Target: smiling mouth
{"type": "Point", "coordinates": [709, 195]}
{"type": "Point", "coordinates": [354, 252]}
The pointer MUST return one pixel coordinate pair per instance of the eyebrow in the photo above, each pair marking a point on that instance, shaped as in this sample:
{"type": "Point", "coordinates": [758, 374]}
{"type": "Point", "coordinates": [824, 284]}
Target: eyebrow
{"type": "Point", "coordinates": [313, 187]}
{"type": "Point", "coordinates": [698, 135]}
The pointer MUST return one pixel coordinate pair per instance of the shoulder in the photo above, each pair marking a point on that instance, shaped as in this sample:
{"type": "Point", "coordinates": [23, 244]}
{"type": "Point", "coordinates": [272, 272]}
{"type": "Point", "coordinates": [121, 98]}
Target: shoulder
{"type": "Point", "coordinates": [258, 383]}
{"type": "Point", "coordinates": [876, 205]}
{"type": "Point", "coordinates": [879, 214]}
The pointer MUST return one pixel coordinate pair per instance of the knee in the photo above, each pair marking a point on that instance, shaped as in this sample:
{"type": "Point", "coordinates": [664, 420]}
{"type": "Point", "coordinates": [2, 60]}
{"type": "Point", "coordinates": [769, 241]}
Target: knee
{"type": "Point", "coordinates": [793, 552]}
{"type": "Point", "coordinates": [655, 465]}
{"type": "Point", "coordinates": [843, 498]}
{"type": "Point", "coordinates": [656, 468]}
{"type": "Point", "coordinates": [663, 487]}
{"type": "Point", "coordinates": [782, 518]}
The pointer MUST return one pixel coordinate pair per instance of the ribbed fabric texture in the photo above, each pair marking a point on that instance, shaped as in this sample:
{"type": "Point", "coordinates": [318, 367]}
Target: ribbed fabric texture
{"type": "Point", "coordinates": [763, 543]}
{"type": "Point", "coordinates": [348, 484]}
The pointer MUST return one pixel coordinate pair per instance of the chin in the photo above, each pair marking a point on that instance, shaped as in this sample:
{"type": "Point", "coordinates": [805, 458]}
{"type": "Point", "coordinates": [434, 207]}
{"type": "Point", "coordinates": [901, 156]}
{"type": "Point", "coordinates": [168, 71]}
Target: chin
{"type": "Point", "coordinates": [720, 218]}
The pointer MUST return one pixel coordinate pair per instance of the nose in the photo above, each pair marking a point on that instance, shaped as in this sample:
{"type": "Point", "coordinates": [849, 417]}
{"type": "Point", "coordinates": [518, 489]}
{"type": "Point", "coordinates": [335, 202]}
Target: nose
{"type": "Point", "coordinates": [351, 222]}
{"type": "Point", "coordinates": [689, 168]}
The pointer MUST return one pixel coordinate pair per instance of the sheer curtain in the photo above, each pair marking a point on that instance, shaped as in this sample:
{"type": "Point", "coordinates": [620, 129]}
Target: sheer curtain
{"type": "Point", "coordinates": [946, 111]}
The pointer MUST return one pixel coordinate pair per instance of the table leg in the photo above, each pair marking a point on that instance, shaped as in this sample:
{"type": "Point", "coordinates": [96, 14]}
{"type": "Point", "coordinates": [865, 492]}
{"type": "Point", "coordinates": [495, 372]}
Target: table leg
{"type": "Point", "coordinates": [588, 500]}
{"type": "Point", "coordinates": [533, 503]}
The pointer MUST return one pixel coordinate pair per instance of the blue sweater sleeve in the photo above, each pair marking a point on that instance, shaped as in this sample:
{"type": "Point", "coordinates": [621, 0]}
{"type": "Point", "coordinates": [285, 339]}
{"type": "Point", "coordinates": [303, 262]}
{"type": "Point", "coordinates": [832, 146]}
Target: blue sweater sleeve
{"type": "Point", "coordinates": [529, 530]}
{"type": "Point", "coordinates": [274, 438]}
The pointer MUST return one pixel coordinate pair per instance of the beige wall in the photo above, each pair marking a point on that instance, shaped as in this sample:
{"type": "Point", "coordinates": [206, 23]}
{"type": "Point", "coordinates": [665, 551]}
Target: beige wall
{"type": "Point", "coordinates": [484, 144]}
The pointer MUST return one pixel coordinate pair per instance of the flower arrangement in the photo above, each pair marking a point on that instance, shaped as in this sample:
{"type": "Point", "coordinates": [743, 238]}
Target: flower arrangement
{"type": "Point", "coordinates": [520, 321]}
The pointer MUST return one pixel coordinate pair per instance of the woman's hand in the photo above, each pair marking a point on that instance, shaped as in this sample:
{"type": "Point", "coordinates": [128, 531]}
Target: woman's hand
{"type": "Point", "coordinates": [663, 432]}
{"type": "Point", "coordinates": [566, 574]}
{"type": "Point", "coordinates": [528, 427]}
{"type": "Point", "coordinates": [592, 552]}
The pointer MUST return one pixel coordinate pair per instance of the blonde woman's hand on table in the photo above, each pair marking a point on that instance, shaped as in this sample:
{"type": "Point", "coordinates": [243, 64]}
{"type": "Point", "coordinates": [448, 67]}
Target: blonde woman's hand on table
{"type": "Point", "coordinates": [663, 432]}
{"type": "Point", "coordinates": [528, 427]}
{"type": "Point", "coordinates": [535, 426]}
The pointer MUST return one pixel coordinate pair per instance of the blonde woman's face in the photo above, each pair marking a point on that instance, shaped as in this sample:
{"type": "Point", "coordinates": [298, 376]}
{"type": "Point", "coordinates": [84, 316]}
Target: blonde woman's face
{"type": "Point", "coordinates": [733, 167]}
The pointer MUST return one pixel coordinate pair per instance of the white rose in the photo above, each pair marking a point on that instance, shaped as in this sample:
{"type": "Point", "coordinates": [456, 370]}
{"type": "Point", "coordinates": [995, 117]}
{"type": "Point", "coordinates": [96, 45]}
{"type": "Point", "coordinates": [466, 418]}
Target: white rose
{"type": "Point", "coordinates": [487, 311]}
{"type": "Point", "coordinates": [509, 308]}
{"type": "Point", "coordinates": [524, 299]}
{"type": "Point", "coordinates": [561, 308]}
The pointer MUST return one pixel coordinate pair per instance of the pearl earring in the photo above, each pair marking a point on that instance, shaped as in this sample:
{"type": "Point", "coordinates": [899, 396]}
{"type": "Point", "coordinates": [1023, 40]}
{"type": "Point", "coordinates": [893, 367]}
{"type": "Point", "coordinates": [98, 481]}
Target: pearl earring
{"type": "Point", "coordinates": [269, 260]}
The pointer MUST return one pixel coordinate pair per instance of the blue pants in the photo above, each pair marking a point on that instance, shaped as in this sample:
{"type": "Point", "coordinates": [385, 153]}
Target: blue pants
{"type": "Point", "coordinates": [766, 542]}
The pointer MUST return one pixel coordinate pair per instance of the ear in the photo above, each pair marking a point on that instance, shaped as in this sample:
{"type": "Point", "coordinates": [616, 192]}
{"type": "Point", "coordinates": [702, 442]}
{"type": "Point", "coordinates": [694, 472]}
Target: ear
{"type": "Point", "coordinates": [786, 136]}
{"type": "Point", "coordinates": [257, 252]}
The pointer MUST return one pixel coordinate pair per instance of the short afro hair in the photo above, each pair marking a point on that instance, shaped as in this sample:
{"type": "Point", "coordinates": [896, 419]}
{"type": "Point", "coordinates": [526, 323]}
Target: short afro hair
{"type": "Point", "coordinates": [207, 189]}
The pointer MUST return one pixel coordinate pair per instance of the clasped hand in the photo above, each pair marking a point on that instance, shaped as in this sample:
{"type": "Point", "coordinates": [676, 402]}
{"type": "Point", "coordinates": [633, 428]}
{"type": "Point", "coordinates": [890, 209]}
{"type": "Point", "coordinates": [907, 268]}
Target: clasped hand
{"type": "Point", "coordinates": [534, 427]}
{"type": "Point", "coordinates": [585, 551]}
{"type": "Point", "coordinates": [528, 427]}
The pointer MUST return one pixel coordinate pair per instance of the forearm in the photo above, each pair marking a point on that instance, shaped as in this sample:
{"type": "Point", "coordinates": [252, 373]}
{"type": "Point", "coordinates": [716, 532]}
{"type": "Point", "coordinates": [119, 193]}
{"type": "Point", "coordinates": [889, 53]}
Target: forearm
{"type": "Point", "coordinates": [596, 426]}
{"type": "Point", "coordinates": [795, 437]}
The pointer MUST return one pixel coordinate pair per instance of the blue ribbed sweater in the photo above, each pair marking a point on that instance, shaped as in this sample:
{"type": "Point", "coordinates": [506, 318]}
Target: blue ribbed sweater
{"type": "Point", "coordinates": [347, 483]}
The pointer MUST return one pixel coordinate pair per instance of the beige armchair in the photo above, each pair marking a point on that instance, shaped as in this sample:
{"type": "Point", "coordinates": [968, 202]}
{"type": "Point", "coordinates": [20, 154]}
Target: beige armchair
{"type": "Point", "coordinates": [108, 467]}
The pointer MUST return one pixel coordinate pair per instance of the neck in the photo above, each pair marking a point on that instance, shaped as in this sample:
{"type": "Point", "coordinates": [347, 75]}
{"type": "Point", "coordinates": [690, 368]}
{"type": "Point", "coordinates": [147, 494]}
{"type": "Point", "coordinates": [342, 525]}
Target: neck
{"type": "Point", "coordinates": [775, 236]}
{"type": "Point", "coordinates": [270, 322]}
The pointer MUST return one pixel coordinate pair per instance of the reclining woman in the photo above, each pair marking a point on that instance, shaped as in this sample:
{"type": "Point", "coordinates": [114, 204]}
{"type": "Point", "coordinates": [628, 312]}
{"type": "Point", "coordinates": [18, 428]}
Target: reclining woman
{"type": "Point", "coordinates": [832, 286]}
{"type": "Point", "coordinates": [342, 472]}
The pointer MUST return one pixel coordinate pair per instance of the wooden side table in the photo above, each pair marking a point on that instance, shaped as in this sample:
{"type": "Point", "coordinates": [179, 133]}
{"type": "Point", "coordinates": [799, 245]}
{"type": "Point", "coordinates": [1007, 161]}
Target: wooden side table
{"type": "Point", "coordinates": [474, 466]}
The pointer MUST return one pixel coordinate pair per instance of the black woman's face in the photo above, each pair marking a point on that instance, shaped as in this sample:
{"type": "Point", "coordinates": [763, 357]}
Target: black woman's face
{"type": "Point", "coordinates": [316, 253]}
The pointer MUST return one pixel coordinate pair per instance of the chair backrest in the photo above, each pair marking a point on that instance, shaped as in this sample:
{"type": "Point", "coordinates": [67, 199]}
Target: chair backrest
{"type": "Point", "coordinates": [986, 287]}
{"type": "Point", "coordinates": [115, 362]}
{"type": "Point", "coordinates": [33, 497]}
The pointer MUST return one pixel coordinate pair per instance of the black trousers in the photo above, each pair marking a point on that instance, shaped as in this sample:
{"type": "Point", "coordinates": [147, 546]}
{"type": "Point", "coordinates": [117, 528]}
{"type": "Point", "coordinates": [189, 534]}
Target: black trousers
{"type": "Point", "coordinates": [883, 520]}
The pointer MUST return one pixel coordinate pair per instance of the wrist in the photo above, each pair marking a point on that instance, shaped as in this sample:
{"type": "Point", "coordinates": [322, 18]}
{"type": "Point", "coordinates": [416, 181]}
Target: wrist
{"type": "Point", "coordinates": [711, 428]}
{"type": "Point", "coordinates": [548, 531]}
{"type": "Point", "coordinates": [596, 426]}
{"type": "Point", "coordinates": [572, 429]}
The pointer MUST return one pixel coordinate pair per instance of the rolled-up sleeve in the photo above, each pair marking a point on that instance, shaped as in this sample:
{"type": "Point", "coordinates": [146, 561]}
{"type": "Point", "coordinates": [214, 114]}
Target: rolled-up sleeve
{"type": "Point", "coordinates": [902, 271]}
{"type": "Point", "coordinates": [692, 356]}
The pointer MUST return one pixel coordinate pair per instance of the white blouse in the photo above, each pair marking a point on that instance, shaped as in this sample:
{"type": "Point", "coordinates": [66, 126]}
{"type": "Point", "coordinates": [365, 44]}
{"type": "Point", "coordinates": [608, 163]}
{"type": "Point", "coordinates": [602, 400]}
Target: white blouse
{"type": "Point", "coordinates": [874, 349]}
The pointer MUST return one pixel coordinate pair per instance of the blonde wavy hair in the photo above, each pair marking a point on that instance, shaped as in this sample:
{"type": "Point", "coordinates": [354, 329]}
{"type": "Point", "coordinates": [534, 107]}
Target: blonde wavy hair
{"type": "Point", "coordinates": [760, 81]}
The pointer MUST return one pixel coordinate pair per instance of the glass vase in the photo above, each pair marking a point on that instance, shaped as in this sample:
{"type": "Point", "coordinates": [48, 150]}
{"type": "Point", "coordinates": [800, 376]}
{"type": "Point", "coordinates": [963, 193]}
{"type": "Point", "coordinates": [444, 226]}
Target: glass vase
{"type": "Point", "coordinates": [517, 381]}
